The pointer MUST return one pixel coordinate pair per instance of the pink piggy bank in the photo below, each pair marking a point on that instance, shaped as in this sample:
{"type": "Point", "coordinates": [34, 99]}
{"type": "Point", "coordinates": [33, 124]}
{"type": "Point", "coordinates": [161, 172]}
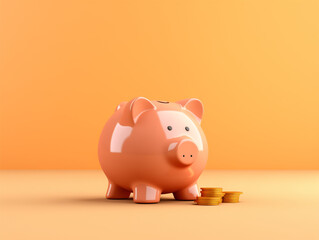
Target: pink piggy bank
{"type": "Point", "coordinates": [153, 147]}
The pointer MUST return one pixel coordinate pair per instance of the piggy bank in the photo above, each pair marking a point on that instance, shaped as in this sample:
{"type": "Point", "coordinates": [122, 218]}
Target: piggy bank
{"type": "Point", "coordinates": [152, 148]}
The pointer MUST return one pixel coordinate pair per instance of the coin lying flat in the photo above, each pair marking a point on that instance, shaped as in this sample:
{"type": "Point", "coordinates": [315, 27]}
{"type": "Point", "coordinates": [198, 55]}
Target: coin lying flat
{"type": "Point", "coordinates": [211, 201]}
{"type": "Point", "coordinates": [232, 192]}
{"type": "Point", "coordinates": [211, 194]}
{"type": "Point", "coordinates": [227, 200]}
{"type": "Point", "coordinates": [217, 189]}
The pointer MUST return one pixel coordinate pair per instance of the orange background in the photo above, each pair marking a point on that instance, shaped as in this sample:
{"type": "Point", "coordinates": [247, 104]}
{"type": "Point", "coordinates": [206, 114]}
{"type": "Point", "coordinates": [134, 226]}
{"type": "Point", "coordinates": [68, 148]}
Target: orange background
{"type": "Point", "coordinates": [65, 65]}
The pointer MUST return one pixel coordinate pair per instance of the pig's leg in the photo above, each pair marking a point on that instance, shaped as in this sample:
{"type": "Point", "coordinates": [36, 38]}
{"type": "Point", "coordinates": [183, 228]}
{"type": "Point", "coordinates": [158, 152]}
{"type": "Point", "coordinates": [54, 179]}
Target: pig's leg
{"type": "Point", "coordinates": [116, 192]}
{"type": "Point", "coordinates": [189, 193]}
{"type": "Point", "coordinates": [144, 193]}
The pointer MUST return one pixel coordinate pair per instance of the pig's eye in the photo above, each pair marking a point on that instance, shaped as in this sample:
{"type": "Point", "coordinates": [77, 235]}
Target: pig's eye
{"type": "Point", "coordinates": [169, 128]}
{"type": "Point", "coordinates": [187, 129]}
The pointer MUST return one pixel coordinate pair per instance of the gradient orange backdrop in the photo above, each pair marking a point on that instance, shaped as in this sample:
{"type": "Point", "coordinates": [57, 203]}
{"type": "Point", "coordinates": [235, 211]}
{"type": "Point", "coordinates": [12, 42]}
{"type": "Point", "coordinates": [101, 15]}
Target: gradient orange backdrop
{"type": "Point", "coordinates": [65, 65]}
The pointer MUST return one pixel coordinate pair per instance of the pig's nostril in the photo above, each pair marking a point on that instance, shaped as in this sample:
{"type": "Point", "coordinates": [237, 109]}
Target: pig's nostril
{"type": "Point", "coordinates": [191, 155]}
{"type": "Point", "coordinates": [183, 155]}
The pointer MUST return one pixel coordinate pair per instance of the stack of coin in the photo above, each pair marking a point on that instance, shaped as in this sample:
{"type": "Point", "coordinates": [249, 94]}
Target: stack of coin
{"type": "Point", "coordinates": [212, 192]}
{"type": "Point", "coordinates": [210, 196]}
{"type": "Point", "coordinates": [231, 197]}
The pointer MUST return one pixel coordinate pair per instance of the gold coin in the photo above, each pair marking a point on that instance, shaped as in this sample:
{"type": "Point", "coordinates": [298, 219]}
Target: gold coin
{"type": "Point", "coordinates": [217, 189]}
{"type": "Point", "coordinates": [231, 197]}
{"type": "Point", "coordinates": [211, 190]}
{"type": "Point", "coordinates": [211, 194]}
{"type": "Point", "coordinates": [232, 193]}
{"type": "Point", "coordinates": [230, 200]}
{"type": "Point", "coordinates": [208, 200]}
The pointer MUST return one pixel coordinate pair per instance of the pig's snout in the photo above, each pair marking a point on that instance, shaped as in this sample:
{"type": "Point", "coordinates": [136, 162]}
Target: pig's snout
{"type": "Point", "coordinates": [187, 152]}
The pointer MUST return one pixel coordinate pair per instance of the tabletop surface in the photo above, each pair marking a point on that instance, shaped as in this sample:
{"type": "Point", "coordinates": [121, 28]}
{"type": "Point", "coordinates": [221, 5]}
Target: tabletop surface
{"type": "Point", "coordinates": [70, 204]}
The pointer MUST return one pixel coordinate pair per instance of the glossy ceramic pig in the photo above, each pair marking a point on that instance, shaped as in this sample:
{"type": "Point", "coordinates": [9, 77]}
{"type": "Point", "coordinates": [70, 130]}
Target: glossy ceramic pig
{"type": "Point", "coordinates": [153, 147]}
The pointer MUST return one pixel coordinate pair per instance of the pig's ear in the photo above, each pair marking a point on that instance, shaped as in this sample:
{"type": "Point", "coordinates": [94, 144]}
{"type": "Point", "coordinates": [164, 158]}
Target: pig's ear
{"type": "Point", "coordinates": [121, 105]}
{"type": "Point", "coordinates": [139, 106]}
{"type": "Point", "coordinates": [193, 105]}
